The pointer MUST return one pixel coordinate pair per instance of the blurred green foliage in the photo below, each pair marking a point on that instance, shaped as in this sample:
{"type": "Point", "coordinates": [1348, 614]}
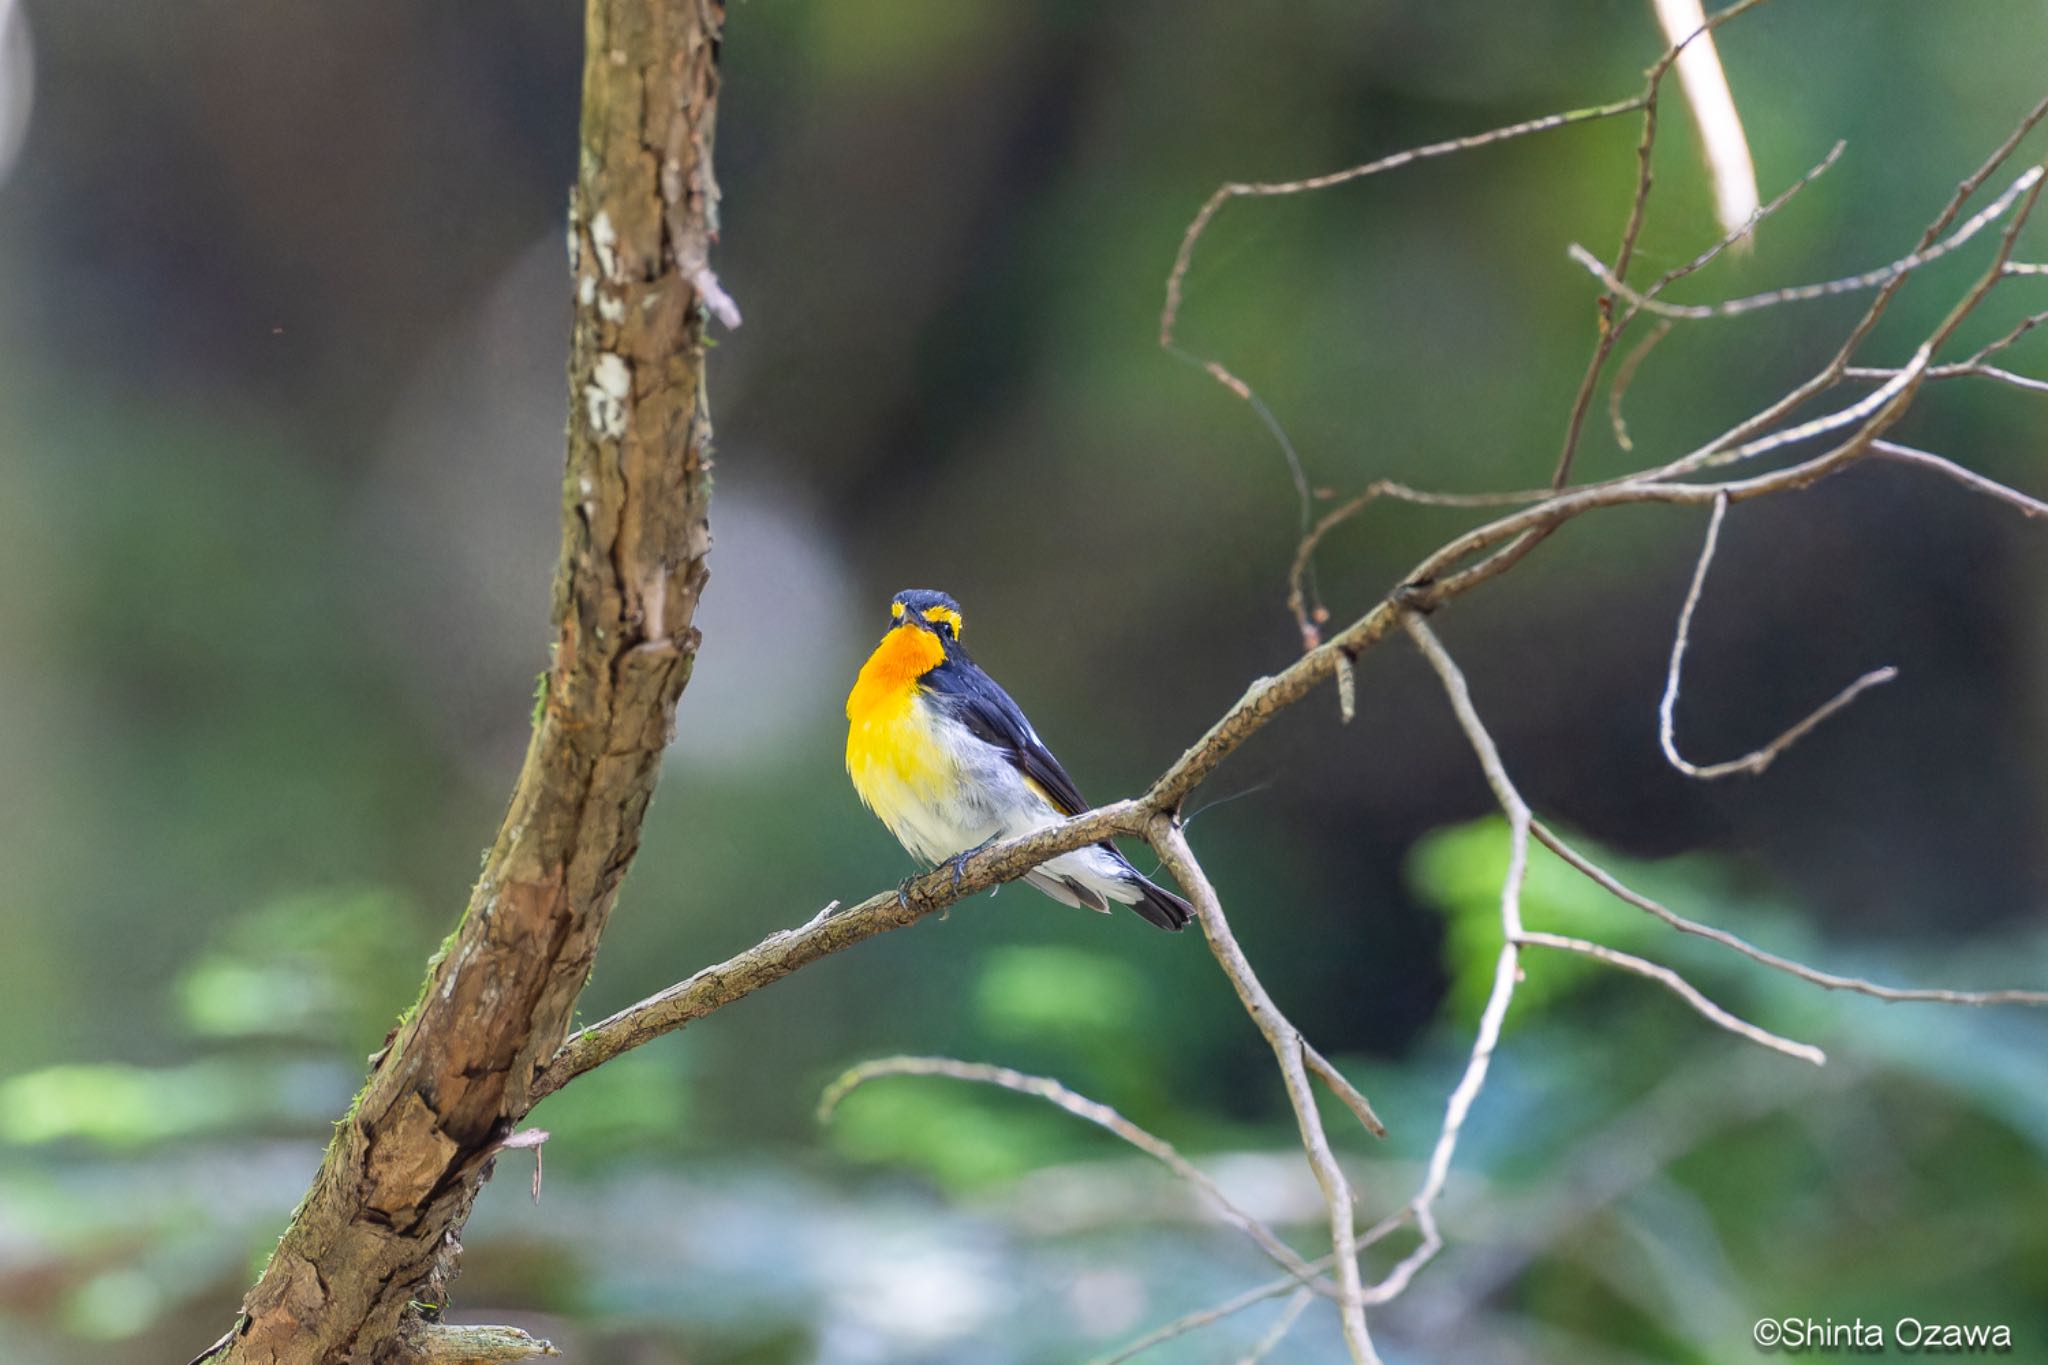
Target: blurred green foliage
{"type": "Point", "coordinates": [309, 965]}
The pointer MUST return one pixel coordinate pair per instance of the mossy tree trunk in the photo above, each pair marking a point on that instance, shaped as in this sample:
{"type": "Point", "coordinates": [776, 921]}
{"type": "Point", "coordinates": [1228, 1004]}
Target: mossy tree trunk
{"type": "Point", "coordinates": [376, 1236]}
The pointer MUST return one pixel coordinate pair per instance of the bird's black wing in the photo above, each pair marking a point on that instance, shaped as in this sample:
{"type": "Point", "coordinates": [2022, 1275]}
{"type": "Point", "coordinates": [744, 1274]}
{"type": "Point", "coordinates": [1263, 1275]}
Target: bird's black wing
{"type": "Point", "coordinates": [979, 702]}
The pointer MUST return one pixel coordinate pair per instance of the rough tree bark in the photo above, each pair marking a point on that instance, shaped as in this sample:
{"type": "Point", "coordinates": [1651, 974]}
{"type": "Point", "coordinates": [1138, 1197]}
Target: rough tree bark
{"type": "Point", "coordinates": [356, 1276]}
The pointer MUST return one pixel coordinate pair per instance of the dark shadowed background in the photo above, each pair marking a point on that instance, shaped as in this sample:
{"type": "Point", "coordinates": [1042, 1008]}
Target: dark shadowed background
{"type": "Point", "coordinates": [283, 319]}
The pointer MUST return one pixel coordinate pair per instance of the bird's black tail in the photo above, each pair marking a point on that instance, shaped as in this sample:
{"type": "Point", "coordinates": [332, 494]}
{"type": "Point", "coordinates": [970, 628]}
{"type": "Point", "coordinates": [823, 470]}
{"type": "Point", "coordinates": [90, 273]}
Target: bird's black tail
{"type": "Point", "coordinates": [1161, 906]}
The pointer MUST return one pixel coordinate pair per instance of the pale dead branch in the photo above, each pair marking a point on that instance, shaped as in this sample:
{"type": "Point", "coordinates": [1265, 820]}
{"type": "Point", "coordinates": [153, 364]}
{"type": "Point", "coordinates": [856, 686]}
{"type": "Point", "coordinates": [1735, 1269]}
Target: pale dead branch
{"type": "Point", "coordinates": [1826, 980]}
{"type": "Point", "coordinates": [1680, 987]}
{"type": "Point", "coordinates": [1705, 84]}
{"type": "Point", "coordinates": [1288, 1052]}
{"type": "Point", "coordinates": [1800, 293]}
{"type": "Point", "coordinates": [1080, 1106]}
{"type": "Point", "coordinates": [1756, 761]}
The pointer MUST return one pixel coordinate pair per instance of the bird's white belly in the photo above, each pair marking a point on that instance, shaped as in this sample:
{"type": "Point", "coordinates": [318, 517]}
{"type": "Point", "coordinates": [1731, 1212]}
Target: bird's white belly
{"type": "Point", "coordinates": [959, 792]}
{"type": "Point", "coordinates": [970, 795]}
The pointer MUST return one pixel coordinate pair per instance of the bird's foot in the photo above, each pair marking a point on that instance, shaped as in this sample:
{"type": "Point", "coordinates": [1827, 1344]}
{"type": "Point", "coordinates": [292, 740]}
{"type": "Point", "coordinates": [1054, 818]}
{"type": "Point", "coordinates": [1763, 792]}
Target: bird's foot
{"type": "Point", "coordinates": [958, 859]}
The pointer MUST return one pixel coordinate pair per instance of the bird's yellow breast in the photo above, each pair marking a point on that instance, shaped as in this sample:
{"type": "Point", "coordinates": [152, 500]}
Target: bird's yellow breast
{"type": "Point", "coordinates": [892, 754]}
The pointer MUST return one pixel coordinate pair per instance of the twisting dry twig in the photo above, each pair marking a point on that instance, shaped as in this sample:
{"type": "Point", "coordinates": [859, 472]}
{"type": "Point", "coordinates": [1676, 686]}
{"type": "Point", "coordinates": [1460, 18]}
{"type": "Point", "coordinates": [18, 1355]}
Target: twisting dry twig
{"type": "Point", "coordinates": [1744, 229]}
{"type": "Point", "coordinates": [1869, 279]}
{"type": "Point", "coordinates": [1624, 375]}
{"type": "Point", "coordinates": [1507, 968]}
{"type": "Point", "coordinates": [1608, 332]}
{"type": "Point", "coordinates": [1506, 972]}
{"type": "Point", "coordinates": [1347, 1094]}
{"type": "Point", "coordinates": [1687, 38]}
{"type": "Point", "coordinates": [1968, 478]}
{"type": "Point", "coordinates": [1204, 1317]}
{"type": "Point", "coordinates": [1831, 372]}
{"type": "Point", "coordinates": [1680, 987]}
{"type": "Point", "coordinates": [1289, 1052]}
{"type": "Point", "coordinates": [1176, 279]}
{"type": "Point", "coordinates": [1826, 980]}
{"type": "Point", "coordinates": [1081, 1107]}
{"type": "Point", "coordinates": [1959, 370]}
{"type": "Point", "coordinates": [1311, 620]}
{"type": "Point", "coordinates": [1976, 363]}
{"type": "Point", "coordinates": [2020, 329]}
{"type": "Point", "coordinates": [1290, 1313]}
{"type": "Point", "coordinates": [1523, 530]}
{"type": "Point", "coordinates": [1760, 759]}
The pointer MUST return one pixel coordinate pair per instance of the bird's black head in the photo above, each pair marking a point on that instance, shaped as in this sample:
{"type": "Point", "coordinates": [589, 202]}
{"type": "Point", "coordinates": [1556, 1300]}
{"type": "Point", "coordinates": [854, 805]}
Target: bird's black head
{"type": "Point", "coordinates": [931, 610]}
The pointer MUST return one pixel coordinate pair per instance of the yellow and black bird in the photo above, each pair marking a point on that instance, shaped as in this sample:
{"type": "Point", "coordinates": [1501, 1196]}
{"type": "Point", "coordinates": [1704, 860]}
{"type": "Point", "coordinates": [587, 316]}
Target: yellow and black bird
{"type": "Point", "coordinates": [939, 751]}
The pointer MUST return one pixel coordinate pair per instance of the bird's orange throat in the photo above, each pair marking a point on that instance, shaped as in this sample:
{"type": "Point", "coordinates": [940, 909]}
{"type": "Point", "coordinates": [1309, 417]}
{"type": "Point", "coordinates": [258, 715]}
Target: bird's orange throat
{"type": "Point", "coordinates": [891, 753]}
{"type": "Point", "coordinates": [890, 675]}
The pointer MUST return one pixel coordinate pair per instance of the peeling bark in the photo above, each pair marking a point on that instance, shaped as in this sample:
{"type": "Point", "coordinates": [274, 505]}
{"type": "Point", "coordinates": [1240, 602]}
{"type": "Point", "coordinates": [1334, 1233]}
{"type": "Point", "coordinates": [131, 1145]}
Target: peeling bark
{"type": "Point", "coordinates": [376, 1236]}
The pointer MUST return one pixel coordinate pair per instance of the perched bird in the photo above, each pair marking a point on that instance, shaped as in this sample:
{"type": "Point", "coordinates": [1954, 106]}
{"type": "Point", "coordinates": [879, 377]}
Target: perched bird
{"type": "Point", "coordinates": [939, 751]}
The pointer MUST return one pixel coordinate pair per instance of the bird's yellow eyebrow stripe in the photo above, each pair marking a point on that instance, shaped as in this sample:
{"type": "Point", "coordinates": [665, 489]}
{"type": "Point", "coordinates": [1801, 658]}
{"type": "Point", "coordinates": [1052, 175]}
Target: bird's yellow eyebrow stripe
{"type": "Point", "coordinates": [946, 614]}
{"type": "Point", "coordinates": [896, 610]}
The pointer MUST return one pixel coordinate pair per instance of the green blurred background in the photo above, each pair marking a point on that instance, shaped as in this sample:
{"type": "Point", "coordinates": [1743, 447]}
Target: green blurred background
{"type": "Point", "coordinates": [281, 405]}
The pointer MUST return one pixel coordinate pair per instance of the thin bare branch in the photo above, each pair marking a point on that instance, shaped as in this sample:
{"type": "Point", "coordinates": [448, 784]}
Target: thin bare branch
{"type": "Point", "coordinates": [1289, 1052]}
{"type": "Point", "coordinates": [1608, 882]}
{"type": "Point", "coordinates": [1176, 279]}
{"type": "Point", "coordinates": [1080, 1106]}
{"type": "Point", "coordinates": [1831, 372]}
{"type": "Point", "coordinates": [1202, 1317]}
{"type": "Point", "coordinates": [1970, 479]}
{"type": "Point", "coordinates": [1506, 973]}
{"type": "Point", "coordinates": [1304, 496]}
{"type": "Point", "coordinates": [1758, 760]}
{"type": "Point", "coordinates": [1347, 1094]}
{"type": "Point", "coordinates": [1290, 1313]}
{"type": "Point", "coordinates": [2018, 381]}
{"type": "Point", "coordinates": [1310, 618]}
{"type": "Point", "coordinates": [1608, 332]}
{"type": "Point", "coordinates": [1871, 405]}
{"type": "Point", "coordinates": [2020, 329]}
{"type": "Point", "coordinates": [1850, 284]}
{"type": "Point", "coordinates": [1960, 370]}
{"type": "Point", "coordinates": [1680, 987]}
{"type": "Point", "coordinates": [1624, 376]}
{"type": "Point", "coordinates": [1698, 33]}
{"type": "Point", "coordinates": [787, 950]}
